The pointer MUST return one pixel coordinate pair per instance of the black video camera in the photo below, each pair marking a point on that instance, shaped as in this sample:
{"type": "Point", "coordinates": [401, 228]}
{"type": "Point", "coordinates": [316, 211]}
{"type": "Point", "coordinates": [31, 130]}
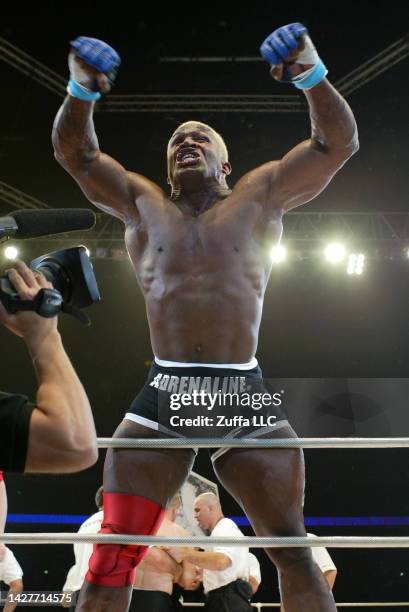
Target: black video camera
{"type": "Point", "coordinates": [72, 276]}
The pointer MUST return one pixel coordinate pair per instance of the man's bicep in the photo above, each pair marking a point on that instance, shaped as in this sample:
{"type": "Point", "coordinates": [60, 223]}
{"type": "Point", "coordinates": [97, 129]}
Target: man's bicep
{"type": "Point", "coordinates": [301, 175]}
{"type": "Point", "coordinates": [107, 184]}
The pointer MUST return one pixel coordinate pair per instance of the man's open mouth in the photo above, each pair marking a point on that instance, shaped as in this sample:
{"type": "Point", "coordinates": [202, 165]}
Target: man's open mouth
{"type": "Point", "coordinates": [187, 157]}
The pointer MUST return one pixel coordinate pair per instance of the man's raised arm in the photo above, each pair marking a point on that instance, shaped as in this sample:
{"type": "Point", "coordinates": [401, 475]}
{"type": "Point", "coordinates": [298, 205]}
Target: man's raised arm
{"type": "Point", "coordinates": [306, 170]}
{"type": "Point", "coordinates": [103, 180]}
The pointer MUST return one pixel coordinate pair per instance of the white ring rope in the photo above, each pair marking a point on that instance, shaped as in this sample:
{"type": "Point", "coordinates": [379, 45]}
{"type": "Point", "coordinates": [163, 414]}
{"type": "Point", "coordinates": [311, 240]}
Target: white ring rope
{"type": "Point", "coordinates": [251, 542]}
{"type": "Point", "coordinates": [260, 605]}
{"type": "Point", "coordinates": [248, 541]}
{"type": "Point", "coordinates": [253, 443]}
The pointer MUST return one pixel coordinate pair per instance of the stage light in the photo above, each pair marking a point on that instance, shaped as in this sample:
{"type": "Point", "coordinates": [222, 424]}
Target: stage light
{"type": "Point", "coordinates": [356, 263]}
{"type": "Point", "coordinates": [278, 253]}
{"type": "Point", "coordinates": [335, 252]}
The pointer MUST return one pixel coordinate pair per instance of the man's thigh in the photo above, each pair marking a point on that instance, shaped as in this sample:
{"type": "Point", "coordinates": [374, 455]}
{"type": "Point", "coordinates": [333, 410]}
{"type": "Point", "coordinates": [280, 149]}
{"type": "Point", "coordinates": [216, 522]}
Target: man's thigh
{"type": "Point", "coordinates": [267, 483]}
{"type": "Point", "coordinates": [156, 474]}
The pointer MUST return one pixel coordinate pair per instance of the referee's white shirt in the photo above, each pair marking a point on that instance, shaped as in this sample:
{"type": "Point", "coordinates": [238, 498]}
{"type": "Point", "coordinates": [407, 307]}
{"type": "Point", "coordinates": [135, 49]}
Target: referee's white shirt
{"type": "Point", "coordinates": [82, 552]}
{"type": "Point", "coordinates": [10, 569]}
{"type": "Point", "coordinates": [321, 557]}
{"type": "Point", "coordinates": [254, 567]}
{"type": "Point", "coordinates": [239, 567]}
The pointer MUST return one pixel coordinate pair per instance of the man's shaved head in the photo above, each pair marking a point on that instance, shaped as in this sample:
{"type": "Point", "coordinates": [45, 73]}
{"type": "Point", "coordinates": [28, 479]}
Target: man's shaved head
{"type": "Point", "coordinates": [208, 499]}
{"type": "Point", "coordinates": [207, 510]}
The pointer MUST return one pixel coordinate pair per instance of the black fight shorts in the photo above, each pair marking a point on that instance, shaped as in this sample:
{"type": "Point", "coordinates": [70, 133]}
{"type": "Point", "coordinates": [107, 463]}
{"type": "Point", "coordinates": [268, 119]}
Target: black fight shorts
{"type": "Point", "coordinates": [208, 402]}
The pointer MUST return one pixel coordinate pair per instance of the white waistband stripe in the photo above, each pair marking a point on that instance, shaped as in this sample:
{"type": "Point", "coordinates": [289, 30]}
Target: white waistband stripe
{"type": "Point", "coordinates": [250, 365]}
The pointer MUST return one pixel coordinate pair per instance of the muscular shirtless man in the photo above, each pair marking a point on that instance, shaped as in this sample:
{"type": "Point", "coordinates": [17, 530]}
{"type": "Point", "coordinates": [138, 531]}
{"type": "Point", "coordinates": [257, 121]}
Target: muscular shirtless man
{"type": "Point", "coordinates": [201, 257]}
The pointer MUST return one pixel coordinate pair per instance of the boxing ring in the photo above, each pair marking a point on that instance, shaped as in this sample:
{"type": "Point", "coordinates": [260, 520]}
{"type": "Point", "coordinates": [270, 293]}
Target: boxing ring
{"type": "Point", "coordinates": [248, 541]}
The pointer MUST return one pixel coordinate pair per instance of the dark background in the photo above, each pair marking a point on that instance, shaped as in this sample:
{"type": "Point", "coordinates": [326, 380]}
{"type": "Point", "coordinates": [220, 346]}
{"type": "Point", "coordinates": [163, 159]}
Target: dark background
{"type": "Point", "coordinates": [317, 322]}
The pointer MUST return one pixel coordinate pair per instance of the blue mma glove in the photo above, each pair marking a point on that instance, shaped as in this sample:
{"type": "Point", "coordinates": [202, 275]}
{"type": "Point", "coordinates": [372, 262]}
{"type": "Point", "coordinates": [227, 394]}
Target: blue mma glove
{"type": "Point", "coordinates": [98, 56]}
{"type": "Point", "coordinates": [291, 45]}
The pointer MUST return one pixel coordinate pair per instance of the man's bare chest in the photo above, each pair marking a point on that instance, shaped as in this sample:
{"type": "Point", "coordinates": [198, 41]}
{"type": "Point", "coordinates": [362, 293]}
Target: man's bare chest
{"type": "Point", "coordinates": [226, 235]}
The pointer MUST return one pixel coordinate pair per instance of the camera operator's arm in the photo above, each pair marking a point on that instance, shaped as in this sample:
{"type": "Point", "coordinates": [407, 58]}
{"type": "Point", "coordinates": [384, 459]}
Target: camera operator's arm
{"type": "Point", "coordinates": [62, 433]}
